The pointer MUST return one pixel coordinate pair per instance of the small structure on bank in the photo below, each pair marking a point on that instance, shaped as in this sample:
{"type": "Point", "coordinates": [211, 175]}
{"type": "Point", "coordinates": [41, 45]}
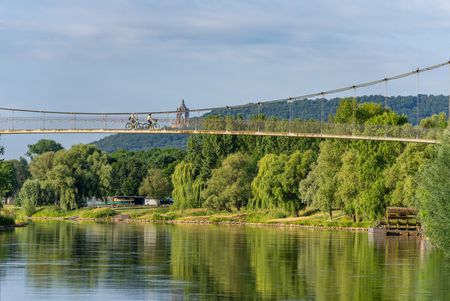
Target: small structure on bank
{"type": "Point", "coordinates": [182, 119]}
{"type": "Point", "coordinates": [126, 200]}
{"type": "Point", "coordinates": [399, 221]}
{"type": "Point", "coordinates": [138, 200]}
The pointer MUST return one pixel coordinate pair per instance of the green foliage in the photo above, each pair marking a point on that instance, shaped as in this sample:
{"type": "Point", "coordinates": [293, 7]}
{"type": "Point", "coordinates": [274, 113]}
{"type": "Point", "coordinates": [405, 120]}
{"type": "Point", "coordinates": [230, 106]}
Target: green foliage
{"type": "Point", "coordinates": [348, 183]}
{"type": "Point", "coordinates": [402, 178]}
{"type": "Point", "coordinates": [277, 181]}
{"type": "Point", "coordinates": [21, 173]}
{"type": "Point", "coordinates": [434, 196]}
{"type": "Point", "coordinates": [138, 142]}
{"type": "Point", "coordinates": [50, 211]}
{"type": "Point", "coordinates": [155, 185]}
{"type": "Point", "coordinates": [229, 187]}
{"type": "Point", "coordinates": [98, 213]}
{"type": "Point", "coordinates": [29, 196]}
{"type": "Point", "coordinates": [75, 174]}
{"type": "Point", "coordinates": [6, 220]}
{"type": "Point", "coordinates": [318, 189]}
{"type": "Point", "coordinates": [435, 121]}
{"type": "Point", "coordinates": [130, 168]}
{"type": "Point", "coordinates": [43, 146]}
{"type": "Point", "coordinates": [186, 187]}
{"type": "Point", "coordinates": [7, 179]}
{"type": "Point", "coordinates": [309, 109]}
{"type": "Point", "coordinates": [41, 165]}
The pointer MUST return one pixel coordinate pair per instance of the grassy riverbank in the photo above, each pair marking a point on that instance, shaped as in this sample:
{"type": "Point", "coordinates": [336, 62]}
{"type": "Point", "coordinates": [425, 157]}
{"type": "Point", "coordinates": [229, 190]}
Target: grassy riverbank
{"type": "Point", "coordinates": [146, 214]}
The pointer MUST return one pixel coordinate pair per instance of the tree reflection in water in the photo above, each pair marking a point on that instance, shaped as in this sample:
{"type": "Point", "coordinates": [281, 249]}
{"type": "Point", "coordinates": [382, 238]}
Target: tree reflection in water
{"type": "Point", "coordinates": [185, 262]}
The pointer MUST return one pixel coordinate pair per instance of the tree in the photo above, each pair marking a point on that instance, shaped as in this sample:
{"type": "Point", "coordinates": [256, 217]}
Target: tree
{"type": "Point", "coordinates": [266, 184]}
{"type": "Point", "coordinates": [435, 121]}
{"type": "Point", "coordinates": [403, 176]}
{"type": "Point", "coordinates": [43, 146]}
{"type": "Point", "coordinates": [41, 165]}
{"type": "Point", "coordinates": [21, 173]}
{"type": "Point", "coordinates": [229, 187]}
{"type": "Point", "coordinates": [79, 173]}
{"type": "Point", "coordinates": [279, 176]}
{"type": "Point", "coordinates": [7, 178]}
{"type": "Point", "coordinates": [320, 186]}
{"type": "Point", "coordinates": [127, 173]}
{"type": "Point", "coordinates": [434, 196]}
{"type": "Point", "coordinates": [29, 196]}
{"type": "Point", "coordinates": [348, 185]}
{"type": "Point", "coordinates": [186, 187]}
{"type": "Point", "coordinates": [155, 185]}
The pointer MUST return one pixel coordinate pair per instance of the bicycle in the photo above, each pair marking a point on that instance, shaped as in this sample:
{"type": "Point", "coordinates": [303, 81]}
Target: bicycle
{"type": "Point", "coordinates": [142, 125]}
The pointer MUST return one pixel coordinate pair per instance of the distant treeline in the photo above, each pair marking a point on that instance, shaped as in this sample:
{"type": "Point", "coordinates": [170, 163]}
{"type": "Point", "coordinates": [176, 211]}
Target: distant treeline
{"type": "Point", "coordinates": [310, 108]}
{"type": "Point", "coordinates": [137, 142]}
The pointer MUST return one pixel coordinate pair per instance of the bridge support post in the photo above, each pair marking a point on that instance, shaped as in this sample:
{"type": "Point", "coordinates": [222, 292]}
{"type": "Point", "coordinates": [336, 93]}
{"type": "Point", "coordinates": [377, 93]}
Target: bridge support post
{"type": "Point", "coordinates": [321, 113]}
{"type": "Point", "coordinates": [259, 117]}
{"type": "Point", "coordinates": [228, 119]}
{"type": "Point", "coordinates": [290, 115]}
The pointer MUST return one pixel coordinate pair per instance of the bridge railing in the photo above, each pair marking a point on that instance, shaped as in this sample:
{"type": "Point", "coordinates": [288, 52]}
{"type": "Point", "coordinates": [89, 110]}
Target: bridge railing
{"type": "Point", "coordinates": [218, 125]}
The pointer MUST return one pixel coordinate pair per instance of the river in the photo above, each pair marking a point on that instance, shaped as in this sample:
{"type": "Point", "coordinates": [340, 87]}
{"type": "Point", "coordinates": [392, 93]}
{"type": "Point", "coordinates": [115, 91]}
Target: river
{"type": "Point", "coordinates": [93, 261]}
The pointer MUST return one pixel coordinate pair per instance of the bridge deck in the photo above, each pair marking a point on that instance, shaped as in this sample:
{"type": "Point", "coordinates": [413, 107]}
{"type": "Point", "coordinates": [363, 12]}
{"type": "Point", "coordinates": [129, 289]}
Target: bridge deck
{"type": "Point", "coordinates": [217, 132]}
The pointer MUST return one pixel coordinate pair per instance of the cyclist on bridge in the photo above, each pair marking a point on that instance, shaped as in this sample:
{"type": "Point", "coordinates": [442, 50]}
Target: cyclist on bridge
{"type": "Point", "coordinates": [150, 120]}
{"type": "Point", "coordinates": [133, 120]}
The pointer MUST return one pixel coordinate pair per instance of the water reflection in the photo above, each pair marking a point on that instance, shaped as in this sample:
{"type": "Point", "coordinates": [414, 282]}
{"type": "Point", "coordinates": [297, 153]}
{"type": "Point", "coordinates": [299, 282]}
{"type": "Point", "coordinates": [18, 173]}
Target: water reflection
{"type": "Point", "coordinates": [55, 260]}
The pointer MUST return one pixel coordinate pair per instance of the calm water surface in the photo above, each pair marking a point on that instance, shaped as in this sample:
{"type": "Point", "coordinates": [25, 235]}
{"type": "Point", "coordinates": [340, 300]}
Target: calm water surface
{"type": "Point", "coordinates": [89, 261]}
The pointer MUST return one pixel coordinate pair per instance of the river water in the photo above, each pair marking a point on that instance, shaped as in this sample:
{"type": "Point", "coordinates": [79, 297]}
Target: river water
{"type": "Point", "coordinates": [92, 261]}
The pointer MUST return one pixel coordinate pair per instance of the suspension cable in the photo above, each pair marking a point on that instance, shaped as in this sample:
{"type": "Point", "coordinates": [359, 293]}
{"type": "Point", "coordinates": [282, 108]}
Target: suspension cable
{"type": "Point", "coordinates": [296, 98]}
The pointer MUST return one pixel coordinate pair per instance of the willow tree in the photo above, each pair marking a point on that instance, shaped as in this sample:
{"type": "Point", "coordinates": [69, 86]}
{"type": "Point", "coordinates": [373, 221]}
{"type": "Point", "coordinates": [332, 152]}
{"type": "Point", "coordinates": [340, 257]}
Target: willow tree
{"type": "Point", "coordinates": [276, 184]}
{"type": "Point", "coordinates": [186, 188]}
{"type": "Point", "coordinates": [320, 185]}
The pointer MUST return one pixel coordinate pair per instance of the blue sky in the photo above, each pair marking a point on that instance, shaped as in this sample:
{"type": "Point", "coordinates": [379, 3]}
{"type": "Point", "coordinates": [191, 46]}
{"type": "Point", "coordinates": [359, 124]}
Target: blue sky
{"type": "Point", "coordinates": [139, 55]}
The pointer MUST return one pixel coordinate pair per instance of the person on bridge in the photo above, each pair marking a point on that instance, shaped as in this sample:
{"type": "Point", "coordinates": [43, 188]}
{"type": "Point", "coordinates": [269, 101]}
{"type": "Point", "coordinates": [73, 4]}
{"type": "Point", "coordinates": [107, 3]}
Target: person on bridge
{"type": "Point", "coordinates": [150, 120]}
{"type": "Point", "coordinates": [133, 120]}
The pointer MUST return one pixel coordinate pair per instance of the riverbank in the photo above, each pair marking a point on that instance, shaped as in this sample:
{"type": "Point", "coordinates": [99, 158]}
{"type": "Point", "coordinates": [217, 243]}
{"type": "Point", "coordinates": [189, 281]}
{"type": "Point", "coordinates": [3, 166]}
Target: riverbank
{"type": "Point", "coordinates": [307, 218]}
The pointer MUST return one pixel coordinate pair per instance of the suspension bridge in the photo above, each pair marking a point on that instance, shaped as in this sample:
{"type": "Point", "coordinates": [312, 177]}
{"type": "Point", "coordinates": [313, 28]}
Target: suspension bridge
{"type": "Point", "coordinates": [201, 121]}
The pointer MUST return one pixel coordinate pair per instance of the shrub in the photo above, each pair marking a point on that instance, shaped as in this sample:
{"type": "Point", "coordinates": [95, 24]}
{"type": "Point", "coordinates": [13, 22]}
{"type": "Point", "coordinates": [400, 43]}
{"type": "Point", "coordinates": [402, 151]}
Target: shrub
{"type": "Point", "coordinates": [29, 195]}
{"type": "Point", "coordinates": [28, 207]}
{"type": "Point", "coordinates": [50, 211]}
{"type": "Point", "coordinates": [98, 213]}
{"type": "Point", "coordinates": [6, 220]}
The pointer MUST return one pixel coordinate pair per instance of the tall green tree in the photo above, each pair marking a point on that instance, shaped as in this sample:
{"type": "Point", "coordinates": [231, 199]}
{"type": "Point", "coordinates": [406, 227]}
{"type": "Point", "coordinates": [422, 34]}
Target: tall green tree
{"type": "Point", "coordinates": [128, 171]}
{"type": "Point", "coordinates": [186, 187]}
{"type": "Point", "coordinates": [402, 178]}
{"type": "Point", "coordinates": [29, 196]}
{"type": "Point", "coordinates": [156, 184]}
{"type": "Point", "coordinates": [229, 186]}
{"type": "Point", "coordinates": [279, 176]}
{"type": "Point", "coordinates": [21, 173]}
{"type": "Point", "coordinates": [434, 196]}
{"type": "Point", "coordinates": [43, 146]}
{"type": "Point", "coordinates": [321, 184]}
{"type": "Point", "coordinates": [7, 178]}
{"type": "Point", "coordinates": [80, 173]}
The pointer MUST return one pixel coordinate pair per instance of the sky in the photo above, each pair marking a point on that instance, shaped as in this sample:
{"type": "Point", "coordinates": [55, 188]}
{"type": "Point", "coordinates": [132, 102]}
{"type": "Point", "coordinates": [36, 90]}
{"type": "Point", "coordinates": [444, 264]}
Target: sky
{"type": "Point", "coordinates": [139, 55]}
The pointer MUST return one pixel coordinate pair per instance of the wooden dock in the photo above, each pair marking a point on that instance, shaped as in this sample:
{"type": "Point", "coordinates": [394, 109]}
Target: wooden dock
{"type": "Point", "coordinates": [399, 221]}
